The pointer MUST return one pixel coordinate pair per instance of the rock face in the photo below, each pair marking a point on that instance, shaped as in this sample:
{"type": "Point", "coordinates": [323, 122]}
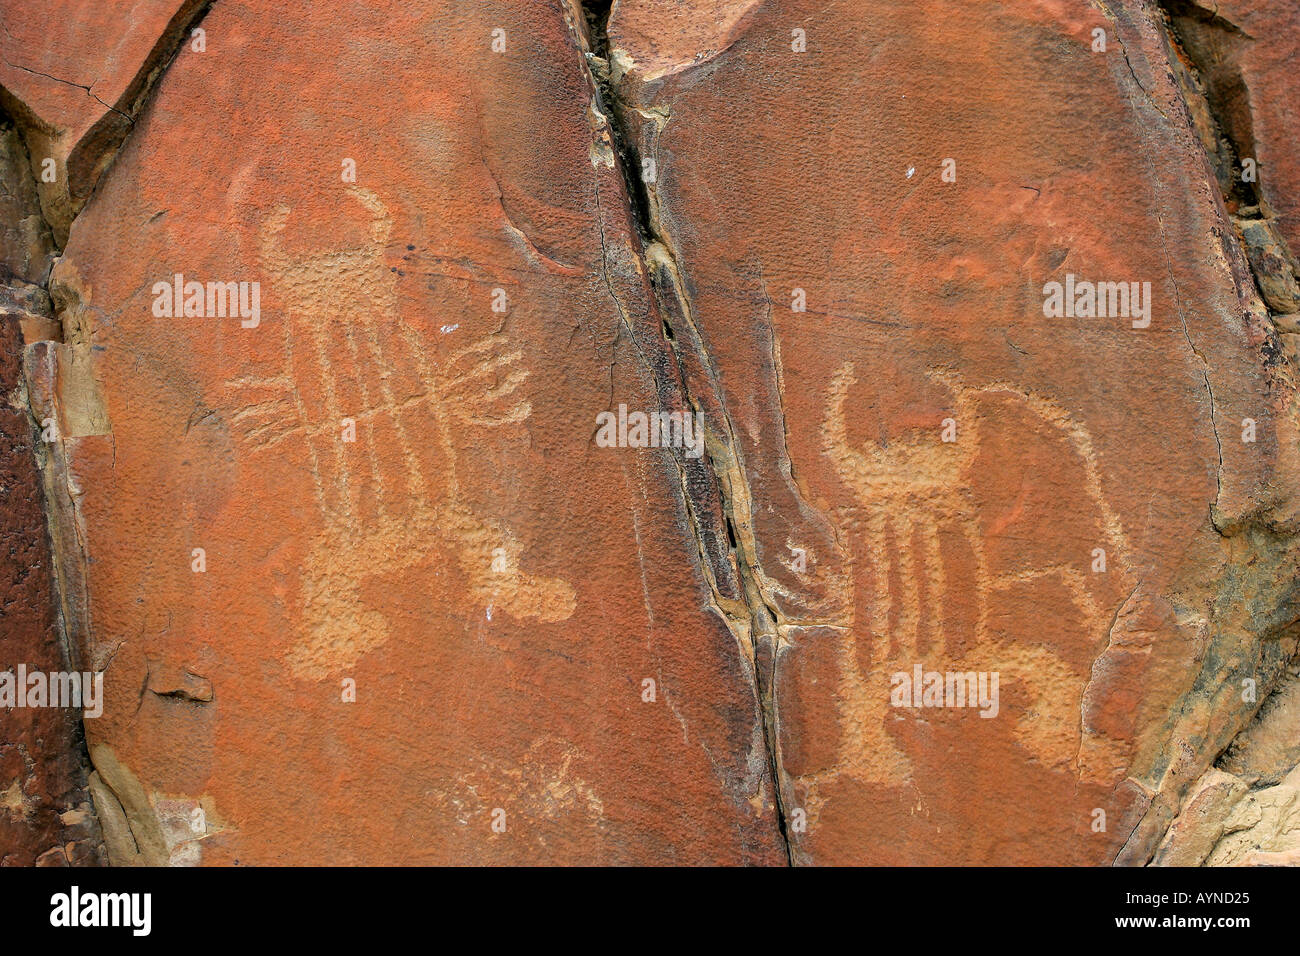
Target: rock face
{"type": "Point", "coordinates": [45, 811]}
{"type": "Point", "coordinates": [970, 534]}
{"type": "Point", "coordinates": [1248, 811]}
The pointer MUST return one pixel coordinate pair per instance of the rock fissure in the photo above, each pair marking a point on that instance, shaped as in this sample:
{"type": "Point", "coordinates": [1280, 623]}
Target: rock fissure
{"type": "Point", "coordinates": [88, 90]}
{"type": "Point", "coordinates": [766, 602]}
{"type": "Point", "coordinates": [1217, 99]}
{"type": "Point", "coordinates": [41, 387]}
{"type": "Point", "coordinates": [754, 620]}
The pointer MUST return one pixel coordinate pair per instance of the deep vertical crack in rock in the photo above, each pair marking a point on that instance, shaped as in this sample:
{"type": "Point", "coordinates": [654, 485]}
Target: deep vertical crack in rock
{"type": "Point", "coordinates": [96, 151]}
{"type": "Point", "coordinates": [1243, 621]}
{"type": "Point", "coordinates": [88, 159]}
{"type": "Point", "coordinates": [753, 620]}
{"type": "Point", "coordinates": [1217, 99]}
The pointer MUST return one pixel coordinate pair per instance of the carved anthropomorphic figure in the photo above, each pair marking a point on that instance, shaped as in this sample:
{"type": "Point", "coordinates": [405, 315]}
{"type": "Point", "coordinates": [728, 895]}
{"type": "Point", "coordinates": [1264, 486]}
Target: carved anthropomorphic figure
{"type": "Point", "coordinates": [379, 419]}
{"type": "Point", "coordinates": [935, 572]}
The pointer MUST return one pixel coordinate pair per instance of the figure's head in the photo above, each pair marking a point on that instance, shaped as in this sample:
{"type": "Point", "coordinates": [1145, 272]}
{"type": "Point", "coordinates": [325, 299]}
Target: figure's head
{"type": "Point", "coordinates": [899, 439]}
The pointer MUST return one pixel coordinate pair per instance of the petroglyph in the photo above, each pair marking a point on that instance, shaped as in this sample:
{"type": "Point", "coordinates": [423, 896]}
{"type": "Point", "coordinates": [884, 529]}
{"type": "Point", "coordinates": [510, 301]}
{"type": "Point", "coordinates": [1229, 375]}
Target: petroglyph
{"type": "Point", "coordinates": [390, 502]}
{"type": "Point", "coordinates": [542, 785]}
{"type": "Point", "coordinates": [927, 586]}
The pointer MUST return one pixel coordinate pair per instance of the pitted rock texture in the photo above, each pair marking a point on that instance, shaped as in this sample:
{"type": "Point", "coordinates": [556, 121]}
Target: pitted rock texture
{"type": "Point", "coordinates": [329, 301]}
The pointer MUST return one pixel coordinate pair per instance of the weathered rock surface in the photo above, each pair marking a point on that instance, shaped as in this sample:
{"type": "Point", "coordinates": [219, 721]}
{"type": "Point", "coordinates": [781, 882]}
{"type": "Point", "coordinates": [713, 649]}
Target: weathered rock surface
{"type": "Point", "coordinates": [45, 812]}
{"type": "Point", "coordinates": [364, 581]}
{"type": "Point", "coordinates": [925, 304]}
{"type": "Point", "coordinates": [1246, 810]}
{"type": "Point", "coordinates": [492, 588]}
{"type": "Point", "coordinates": [1246, 50]}
{"type": "Point", "coordinates": [75, 74]}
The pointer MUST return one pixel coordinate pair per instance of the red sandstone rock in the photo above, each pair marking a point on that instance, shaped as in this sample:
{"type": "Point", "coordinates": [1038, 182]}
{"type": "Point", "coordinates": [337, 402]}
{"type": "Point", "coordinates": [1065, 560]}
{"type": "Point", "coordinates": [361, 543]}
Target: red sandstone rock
{"type": "Point", "coordinates": [76, 74]}
{"type": "Point", "coordinates": [855, 306]}
{"type": "Point", "coordinates": [365, 585]}
{"type": "Point", "coordinates": [497, 588]}
{"type": "Point", "coordinates": [1256, 42]}
{"type": "Point", "coordinates": [45, 813]}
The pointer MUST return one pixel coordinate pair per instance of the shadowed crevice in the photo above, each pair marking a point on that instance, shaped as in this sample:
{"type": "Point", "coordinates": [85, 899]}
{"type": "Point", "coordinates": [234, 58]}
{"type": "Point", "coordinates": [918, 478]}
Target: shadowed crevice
{"type": "Point", "coordinates": [752, 619]}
